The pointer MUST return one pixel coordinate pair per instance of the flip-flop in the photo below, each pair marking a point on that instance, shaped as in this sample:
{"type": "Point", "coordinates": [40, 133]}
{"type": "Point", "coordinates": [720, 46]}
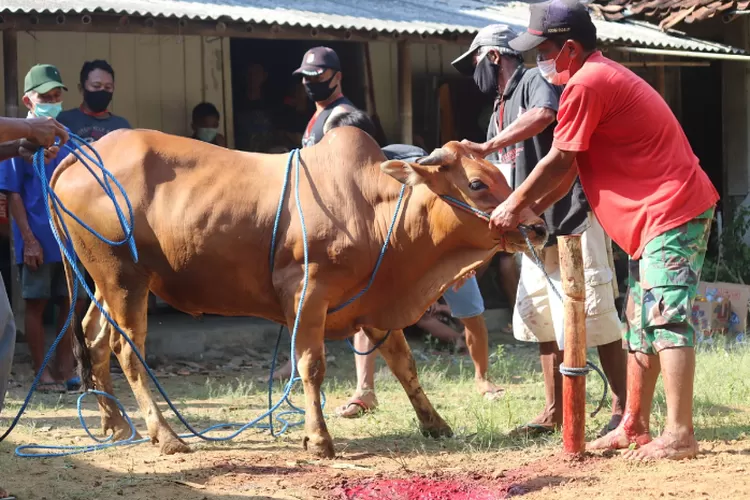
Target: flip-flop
{"type": "Point", "coordinates": [51, 388]}
{"type": "Point", "coordinates": [532, 430]}
{"type": "Point", "coordinates": [363, 408]}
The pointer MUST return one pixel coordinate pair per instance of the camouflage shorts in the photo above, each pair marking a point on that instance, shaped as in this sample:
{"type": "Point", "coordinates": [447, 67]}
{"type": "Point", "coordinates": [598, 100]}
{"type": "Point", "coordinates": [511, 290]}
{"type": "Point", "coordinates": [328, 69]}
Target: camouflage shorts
{"type": "Point", "coordinates": [662, 285]}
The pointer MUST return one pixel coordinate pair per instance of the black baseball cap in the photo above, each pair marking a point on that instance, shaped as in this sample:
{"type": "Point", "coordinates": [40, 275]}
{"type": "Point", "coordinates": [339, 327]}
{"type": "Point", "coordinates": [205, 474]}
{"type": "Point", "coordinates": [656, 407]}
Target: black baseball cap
{"type": "Point", "coordinates": [552, 19]}
{"type": "Point", "coordinates": [317, 60]}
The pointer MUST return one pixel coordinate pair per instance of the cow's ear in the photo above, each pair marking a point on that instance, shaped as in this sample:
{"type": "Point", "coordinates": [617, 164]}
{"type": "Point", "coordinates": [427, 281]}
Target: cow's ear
{"type": "Point", "coordinates": [403, 172]}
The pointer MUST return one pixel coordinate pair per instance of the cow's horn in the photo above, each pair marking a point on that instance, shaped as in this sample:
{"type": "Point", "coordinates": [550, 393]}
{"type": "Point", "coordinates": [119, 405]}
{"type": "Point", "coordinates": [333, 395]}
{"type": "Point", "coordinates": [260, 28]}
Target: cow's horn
{"type": "Point", "coordinates": [439, 156]}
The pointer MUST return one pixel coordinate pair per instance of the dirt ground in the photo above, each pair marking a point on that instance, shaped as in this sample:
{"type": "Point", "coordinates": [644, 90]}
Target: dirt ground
{"type": "Point", "coordinates": [379, 456]}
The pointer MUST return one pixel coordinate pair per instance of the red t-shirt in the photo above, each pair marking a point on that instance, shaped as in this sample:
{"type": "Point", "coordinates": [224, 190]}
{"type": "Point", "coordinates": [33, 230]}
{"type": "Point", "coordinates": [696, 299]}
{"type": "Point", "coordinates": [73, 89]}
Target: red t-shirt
{"type": "Point", "coordinates": [636, 166]}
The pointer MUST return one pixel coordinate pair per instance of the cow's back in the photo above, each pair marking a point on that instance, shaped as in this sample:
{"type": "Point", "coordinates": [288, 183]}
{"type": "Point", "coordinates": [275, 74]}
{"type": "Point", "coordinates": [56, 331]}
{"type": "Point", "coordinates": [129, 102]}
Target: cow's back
{"type": "Point", "coordinates": [204, 217]}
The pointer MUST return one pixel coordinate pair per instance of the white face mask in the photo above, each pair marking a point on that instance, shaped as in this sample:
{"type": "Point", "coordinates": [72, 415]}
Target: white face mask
{"type": "Point", "coordinates": [548, 69]}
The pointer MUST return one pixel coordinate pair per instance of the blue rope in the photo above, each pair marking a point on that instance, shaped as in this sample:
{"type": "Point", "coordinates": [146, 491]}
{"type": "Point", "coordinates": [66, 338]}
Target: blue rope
{"type": "Point", "coordinates": [69, 255]}
{"type": "Point", "coordinates": [127, 227]}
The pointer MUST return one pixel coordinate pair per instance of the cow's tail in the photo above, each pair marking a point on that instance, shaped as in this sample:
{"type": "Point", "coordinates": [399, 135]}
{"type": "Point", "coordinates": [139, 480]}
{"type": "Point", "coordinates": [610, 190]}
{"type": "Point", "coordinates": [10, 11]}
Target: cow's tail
{"type": "Point", "coordinates": [80, 349]}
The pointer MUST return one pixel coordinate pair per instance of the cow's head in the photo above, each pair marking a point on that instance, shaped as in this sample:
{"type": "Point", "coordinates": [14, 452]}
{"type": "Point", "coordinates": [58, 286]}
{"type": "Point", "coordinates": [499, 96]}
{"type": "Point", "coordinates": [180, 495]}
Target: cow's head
{"type": "Point", "coordinates": [453, 171]}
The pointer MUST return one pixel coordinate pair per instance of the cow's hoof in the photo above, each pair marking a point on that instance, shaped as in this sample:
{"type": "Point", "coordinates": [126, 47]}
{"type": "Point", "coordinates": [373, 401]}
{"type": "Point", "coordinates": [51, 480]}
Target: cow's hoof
{"type": "Point", "coordinates": [438, 430]}
{"type": "Point", "coordinates": [319, 446]}
{"type": "Point", "coordinates": [174, 445]}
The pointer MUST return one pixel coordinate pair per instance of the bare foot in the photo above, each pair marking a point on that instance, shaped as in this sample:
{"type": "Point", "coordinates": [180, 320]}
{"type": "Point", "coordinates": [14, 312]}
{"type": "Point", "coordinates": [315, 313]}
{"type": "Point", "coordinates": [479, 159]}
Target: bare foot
{"type": "Point", "coordinates": [359, 404]}
{"type": "Point", "coordinates": [668, 446]}
{"type": "Point", "coordinates": [622, 437]}
{"type": "Point", "coordinates": [280, 374]}
{"type": "Point", "coordinates": [460, 345]}
{"type": "Point", "coordinates": [546, 422]}
{"type": "Point", "coordinates": [490, 391]}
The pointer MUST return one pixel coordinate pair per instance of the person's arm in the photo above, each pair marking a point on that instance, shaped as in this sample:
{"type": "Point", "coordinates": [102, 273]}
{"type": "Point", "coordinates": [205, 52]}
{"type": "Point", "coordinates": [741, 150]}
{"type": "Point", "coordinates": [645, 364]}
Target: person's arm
{"type": "Point", "coordinates": [581, 111]}
{"type": "Point", "coordinates": [43, 131]}
{"type": "Point", "coordinates": [221, 140]}
{"type": "Point", "coordinates": [540, 206]}
{"type": "Point", "coordinates": [9, 149]}
{"type": "Point", "coordinates": [32, 250]}
{"type": "Point", "coordinates": [530, 124]}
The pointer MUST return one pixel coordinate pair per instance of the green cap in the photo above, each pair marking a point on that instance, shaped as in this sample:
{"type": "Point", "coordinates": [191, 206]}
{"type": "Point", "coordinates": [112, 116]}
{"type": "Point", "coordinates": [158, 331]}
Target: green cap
{"type": "Point", "coordinates": [42, 78]}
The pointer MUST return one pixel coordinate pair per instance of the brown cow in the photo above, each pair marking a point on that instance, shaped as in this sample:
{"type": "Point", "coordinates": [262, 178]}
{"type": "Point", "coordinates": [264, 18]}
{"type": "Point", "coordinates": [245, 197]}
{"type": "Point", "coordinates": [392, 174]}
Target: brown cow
{"type": "Point", "coordinates": [203, 228]}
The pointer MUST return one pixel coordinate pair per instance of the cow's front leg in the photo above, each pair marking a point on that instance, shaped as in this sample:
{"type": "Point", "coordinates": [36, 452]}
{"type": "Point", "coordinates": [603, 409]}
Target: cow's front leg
{"type": "Point", "coordinates": [395, 350]}
{"type": "Point", "coordinates": [311, 362]}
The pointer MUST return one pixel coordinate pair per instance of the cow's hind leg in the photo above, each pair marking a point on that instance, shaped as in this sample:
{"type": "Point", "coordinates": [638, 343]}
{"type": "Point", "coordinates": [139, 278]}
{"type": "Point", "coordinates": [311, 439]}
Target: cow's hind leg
{"type": "Point", "coordinates": [397, 355]}
{"type": "Point", "coordinates": [311, 362]}
{"type": "Point", "coordinates": [128, 303]}
{"type": "Point", "coordinates": [97, 332]}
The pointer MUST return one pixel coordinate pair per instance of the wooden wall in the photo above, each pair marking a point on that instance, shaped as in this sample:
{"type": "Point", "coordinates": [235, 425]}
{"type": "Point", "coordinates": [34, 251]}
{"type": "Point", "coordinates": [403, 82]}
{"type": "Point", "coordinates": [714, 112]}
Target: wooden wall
{"type": "Point", "coordinates": [159, 78]}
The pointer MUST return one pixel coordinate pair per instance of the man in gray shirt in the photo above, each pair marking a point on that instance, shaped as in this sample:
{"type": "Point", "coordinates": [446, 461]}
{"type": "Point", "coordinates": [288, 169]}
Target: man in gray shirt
{"type": "Point", "coordinates": [520, 134]}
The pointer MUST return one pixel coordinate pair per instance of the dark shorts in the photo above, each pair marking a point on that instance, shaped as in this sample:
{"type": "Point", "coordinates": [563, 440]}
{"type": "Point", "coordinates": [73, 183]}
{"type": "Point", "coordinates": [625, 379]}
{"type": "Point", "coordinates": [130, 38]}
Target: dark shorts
{"type": "Point", "coordinates": [47, 282]}
{"type": "Point", "coordinates": [662, 286]}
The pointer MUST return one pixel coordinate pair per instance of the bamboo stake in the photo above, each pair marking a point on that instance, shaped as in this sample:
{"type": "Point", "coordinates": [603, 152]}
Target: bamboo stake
{"type": "Point", "coordinates": [574, 303]}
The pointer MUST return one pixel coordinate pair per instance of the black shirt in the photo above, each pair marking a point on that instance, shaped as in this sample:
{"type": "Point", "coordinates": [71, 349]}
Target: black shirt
{"type": "Point", "coordinates": [316, 126]}
{"type": "Point", "coordinates": [528, 89]}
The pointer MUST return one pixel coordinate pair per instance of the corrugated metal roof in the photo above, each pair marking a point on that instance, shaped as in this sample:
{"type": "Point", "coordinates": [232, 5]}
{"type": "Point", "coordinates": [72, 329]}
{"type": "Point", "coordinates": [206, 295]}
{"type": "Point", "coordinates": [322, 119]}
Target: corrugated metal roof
{"type": "Point", "coordinates": [430, 17]}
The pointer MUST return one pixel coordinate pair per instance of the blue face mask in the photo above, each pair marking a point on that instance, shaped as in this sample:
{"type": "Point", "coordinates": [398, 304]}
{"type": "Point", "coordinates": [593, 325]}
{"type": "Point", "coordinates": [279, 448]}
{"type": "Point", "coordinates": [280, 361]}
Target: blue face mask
{"type": "Point", "coordinates": [47, 110]}
{"type": "Point", "coordinates": [207, 134]}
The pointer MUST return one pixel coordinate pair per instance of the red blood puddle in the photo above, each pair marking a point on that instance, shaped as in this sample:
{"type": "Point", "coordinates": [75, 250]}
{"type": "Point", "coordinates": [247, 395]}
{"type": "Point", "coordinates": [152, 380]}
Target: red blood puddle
{"type": "Point", "coordinates": [418, 488]}
{"type": "Point", "coordinates": [550, 472]}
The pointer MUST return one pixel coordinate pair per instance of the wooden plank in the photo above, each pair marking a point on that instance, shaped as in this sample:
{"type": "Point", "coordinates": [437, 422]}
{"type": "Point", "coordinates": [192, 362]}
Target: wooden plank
{"type": "Point", "coordinates": [228, 96]}
{"type": "Point", "coordinates": [193, 69]}
{"type": "Point", "coordinates": [172, 69]}
{"type": "Point", "coordinates": [213, 62]}
{"type": "Point", "coordinates": [98, 46]}
{"type": "Point", "coordinates": [384, 82]}
{"type": "Point", "coordinates": [26, 59]}
{"type": "Point", "coordinates": [418, 55]}
{"type": "Point", "coordinates": [122, 59]}
{"type": "Point", "coordinates": [148, 82]}
{"type": "Point", "coordinates": [434, 65]}
{"type": "Point", "coordinates": [574, 304]}
{"type": "Point", "coordinates": [71, 60]}
{"type": "Point", "coordinates": [405, 92]}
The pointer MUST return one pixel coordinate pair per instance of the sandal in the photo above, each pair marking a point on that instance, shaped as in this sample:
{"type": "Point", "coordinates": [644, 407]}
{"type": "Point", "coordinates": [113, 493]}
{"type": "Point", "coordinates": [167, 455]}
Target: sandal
{"type": "Point", "coordinates": [51, 388]}
{"type": "Point", "coordinates": [364, 408]}
{"type": "Point", "coordinates": [532, 430]}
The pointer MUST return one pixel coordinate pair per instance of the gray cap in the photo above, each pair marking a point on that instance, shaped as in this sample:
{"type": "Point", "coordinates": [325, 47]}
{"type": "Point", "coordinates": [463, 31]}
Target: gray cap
{"type": "Point", "coordinates": [494, 35]}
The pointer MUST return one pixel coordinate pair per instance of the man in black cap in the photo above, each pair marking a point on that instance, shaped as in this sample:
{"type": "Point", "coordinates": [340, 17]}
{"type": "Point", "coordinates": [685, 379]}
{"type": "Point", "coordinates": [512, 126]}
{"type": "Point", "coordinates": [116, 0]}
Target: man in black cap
{"type": "Point", "coordinates": [321, 76]}
{"type": "Point", "coordinates": [648, 190]}
{"type": "Point", "coordinates": [520, 134]}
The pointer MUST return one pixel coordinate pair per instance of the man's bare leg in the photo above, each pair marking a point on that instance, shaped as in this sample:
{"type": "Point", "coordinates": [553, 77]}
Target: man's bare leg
{"type": "Point", "coordinates": [364, 399]}
{"type": "Point", "coordinates": [678, 439]}
{"type": "Point", "coordinates": [65, 361]}
{"type": "Point", "coordinates": [34, 322]}
{"type": "Point", "coordinates": [477, 343]}
{"type": "Point", "coordinates": [643, 371]}
{"type": "Point", "coordinates": [550, 419]}
{"type": "Point", "coordinates": [614, 364]}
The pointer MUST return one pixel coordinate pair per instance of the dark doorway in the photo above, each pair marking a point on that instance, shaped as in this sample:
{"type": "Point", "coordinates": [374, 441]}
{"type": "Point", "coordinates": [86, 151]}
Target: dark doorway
{"type": "Point", "coordinates": [702, 120]}
{"type": "Point", "coordinates": [282, 113]}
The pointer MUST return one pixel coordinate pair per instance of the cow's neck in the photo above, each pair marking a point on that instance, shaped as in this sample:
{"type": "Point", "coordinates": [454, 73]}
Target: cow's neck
{"type": "Point", "coordinates": [427, 252]}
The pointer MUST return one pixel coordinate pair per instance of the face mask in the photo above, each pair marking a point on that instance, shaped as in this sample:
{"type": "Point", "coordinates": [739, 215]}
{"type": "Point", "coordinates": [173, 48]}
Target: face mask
{"type": "Point", "coordinates": [485, 76]}
{"type": "Point", "coordinates": [46, 109]}
{"type": "Point", "coordinates": [97, 101]}
{"type": "Point", "coordinates": [548, 69]}
{"type": "Point", "coordinates": [207, 134]}
{"type": "Point", "coordinates": [319, 91]}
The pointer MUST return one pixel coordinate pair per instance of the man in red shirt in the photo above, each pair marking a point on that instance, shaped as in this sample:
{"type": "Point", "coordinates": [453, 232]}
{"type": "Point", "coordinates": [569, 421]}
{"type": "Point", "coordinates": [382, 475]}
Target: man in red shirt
{"type": "Point", "coordinates": [650, 195]}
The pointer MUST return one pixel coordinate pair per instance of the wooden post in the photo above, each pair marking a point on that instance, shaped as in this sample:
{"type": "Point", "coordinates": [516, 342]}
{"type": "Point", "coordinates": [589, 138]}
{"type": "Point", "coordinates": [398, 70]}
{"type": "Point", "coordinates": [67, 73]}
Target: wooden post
{"type": "Point", "coordinates": [661, 79]}
{"type": "Point", "coordinates": [10, 81]}
{"type": "Point", "coordinates": [574, 303]}
{"type": "Point", "coordinates": [404, 87]}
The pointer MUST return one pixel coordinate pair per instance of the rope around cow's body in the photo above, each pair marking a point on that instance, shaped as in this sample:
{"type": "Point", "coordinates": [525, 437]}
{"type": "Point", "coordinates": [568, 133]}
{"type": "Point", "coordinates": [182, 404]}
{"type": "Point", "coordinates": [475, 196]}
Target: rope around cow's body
{"type": "Point", "coordinates": [74, 146]}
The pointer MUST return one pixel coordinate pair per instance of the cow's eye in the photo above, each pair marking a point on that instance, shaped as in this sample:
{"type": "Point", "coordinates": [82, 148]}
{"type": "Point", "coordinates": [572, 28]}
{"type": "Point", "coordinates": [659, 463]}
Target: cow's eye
{"type": "Point", "coordinates": [477, 185]}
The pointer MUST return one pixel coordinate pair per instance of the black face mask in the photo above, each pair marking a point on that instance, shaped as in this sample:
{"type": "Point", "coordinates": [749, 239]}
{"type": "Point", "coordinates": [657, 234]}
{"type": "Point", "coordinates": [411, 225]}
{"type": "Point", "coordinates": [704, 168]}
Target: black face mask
{"type": "Point", "coordinates": [97, 101]}
{"type": "Point", "coordinates": [319, 91]}
{"type": "Point", "coordinates": [485, 76]}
